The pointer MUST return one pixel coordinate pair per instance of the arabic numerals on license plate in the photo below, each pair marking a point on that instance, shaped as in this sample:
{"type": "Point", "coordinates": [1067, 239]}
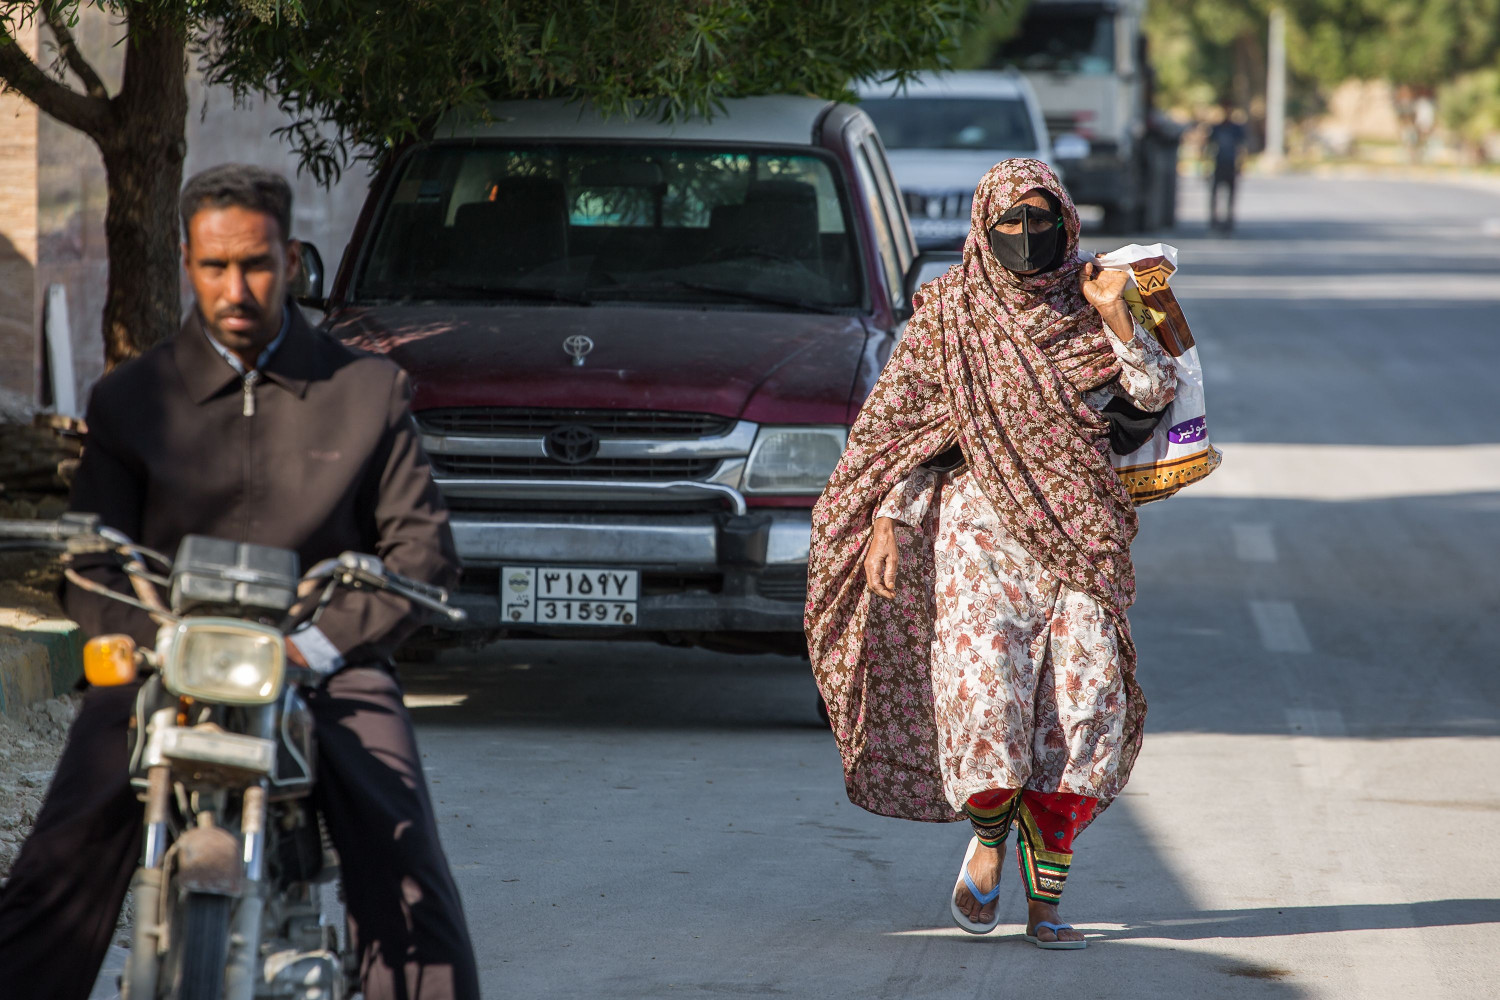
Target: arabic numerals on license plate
{"type": "Point", "coordinates": [588, 612]}
{"type": "Point", "coordinates": [569, 595]}
{"type": "Point", "coordinates": [589, 583]}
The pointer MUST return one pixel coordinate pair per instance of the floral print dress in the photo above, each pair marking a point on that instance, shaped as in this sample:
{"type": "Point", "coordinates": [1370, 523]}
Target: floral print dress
{"type": "Point", "coordinates": [1026, 671]}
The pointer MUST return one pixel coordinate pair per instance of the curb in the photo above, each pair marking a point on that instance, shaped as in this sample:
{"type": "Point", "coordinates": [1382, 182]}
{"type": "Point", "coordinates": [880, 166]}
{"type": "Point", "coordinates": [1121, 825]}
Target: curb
{"type": "Point", "coordinates": [40, 658]}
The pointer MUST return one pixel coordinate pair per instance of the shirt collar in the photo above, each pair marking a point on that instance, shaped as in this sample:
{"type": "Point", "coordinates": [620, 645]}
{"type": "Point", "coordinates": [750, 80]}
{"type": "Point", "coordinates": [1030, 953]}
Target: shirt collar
{"type": "Point", "coordinates": [290, 361]}
{"type": "Point", "coordinates": [233, 359]}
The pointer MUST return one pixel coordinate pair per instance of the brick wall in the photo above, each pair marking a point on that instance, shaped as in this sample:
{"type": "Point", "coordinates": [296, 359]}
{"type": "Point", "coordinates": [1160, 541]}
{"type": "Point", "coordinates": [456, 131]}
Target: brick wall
{"type": "Point", "coordinates": [18, 240]}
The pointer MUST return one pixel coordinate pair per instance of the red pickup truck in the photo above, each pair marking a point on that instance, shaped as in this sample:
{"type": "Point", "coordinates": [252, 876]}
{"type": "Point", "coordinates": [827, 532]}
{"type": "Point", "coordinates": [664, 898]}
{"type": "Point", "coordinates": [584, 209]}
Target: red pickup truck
{"type": "Point", "coordinates": [636, 348]}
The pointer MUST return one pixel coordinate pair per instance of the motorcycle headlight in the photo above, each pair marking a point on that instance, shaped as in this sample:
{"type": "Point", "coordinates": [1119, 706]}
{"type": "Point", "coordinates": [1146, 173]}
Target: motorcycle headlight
{"type": "Point", "coordinates": [794, 459]}
{"type": "Point", "coordinates": [225, 660]}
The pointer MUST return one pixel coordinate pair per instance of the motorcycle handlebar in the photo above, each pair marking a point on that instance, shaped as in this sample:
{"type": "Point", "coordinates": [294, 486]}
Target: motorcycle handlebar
{"type": "Point", "coordinates": [371, 571]}
{"type": "Point", "coordinates": [366, 569]}
{"type": "Point", "coordinates": [70, 525]}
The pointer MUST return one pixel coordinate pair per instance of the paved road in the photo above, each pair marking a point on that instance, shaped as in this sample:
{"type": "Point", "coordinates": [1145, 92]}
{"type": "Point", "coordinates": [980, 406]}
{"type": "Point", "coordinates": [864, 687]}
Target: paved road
{"type": "Point", "coordinates": [1314, 814]}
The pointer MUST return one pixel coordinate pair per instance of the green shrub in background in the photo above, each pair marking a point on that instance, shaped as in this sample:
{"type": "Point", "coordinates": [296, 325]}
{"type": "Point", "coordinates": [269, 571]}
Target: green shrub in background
{"type": "Point", "coordinates": [1470, 107]}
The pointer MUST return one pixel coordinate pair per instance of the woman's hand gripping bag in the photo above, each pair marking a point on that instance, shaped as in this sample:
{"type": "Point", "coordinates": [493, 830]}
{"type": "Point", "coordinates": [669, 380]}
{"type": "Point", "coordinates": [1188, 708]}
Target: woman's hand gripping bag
{"type": "Point", "coordinates": [1178, 452]}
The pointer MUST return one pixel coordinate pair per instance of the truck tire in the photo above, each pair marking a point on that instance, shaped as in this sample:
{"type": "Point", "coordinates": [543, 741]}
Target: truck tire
{"type": "Point", "coordinates": [203, 932]}
{"type": "Point", "coordinates": [1119, 219]}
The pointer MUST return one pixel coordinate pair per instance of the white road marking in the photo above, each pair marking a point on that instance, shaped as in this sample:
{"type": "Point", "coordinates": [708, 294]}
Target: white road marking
{"type": "Point", "coordinates": [434, 700]}
{"type": "Point", "coordinates": [1280, 627]}
{"type": "Point", "coordinates": [1253, 543]}
{"type": "Point", "coordinates": [1342, 287]}
{"type": "Point", "coordinates": [1332, 473]}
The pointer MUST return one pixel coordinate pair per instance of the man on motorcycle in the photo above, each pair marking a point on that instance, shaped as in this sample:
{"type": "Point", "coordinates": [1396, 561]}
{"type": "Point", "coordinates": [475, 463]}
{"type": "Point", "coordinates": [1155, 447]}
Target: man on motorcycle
{"type": "Point", "coordinates": [251, 426]}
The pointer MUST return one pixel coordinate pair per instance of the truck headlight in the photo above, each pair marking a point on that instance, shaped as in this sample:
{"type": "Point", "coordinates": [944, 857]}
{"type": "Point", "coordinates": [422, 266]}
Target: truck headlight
{"type": "Point", "coordinates": [225, 660]}
{"type": "Point", "coordinates": [794, 459]}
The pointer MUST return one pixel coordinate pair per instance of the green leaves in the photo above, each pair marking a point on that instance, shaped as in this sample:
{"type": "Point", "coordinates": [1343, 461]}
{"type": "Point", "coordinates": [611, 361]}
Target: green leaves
{"type": "Point", "coordinates": [1201, 44]}
{"type": "Point", "coordinates": [381, 72]}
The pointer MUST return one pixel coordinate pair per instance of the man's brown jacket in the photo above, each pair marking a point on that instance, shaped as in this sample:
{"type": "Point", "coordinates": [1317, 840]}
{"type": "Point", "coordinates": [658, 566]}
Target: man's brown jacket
{"type": "Point", "coordinates": [327, 460]}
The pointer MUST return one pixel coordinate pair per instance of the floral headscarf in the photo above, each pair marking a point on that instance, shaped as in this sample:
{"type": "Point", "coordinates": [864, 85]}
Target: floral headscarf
{"type": "Point", "coordinates": [1000, 363]}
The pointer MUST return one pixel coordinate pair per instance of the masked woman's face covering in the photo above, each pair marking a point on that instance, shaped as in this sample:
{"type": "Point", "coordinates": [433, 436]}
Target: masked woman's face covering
{"type": "Point", "coordinates": [1037, 247]}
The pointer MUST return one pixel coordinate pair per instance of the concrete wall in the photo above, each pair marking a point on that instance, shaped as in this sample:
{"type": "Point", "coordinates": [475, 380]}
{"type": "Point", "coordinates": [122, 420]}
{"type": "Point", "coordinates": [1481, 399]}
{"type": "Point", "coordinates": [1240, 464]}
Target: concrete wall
{"type": "Point", "coordinates": [52, 202]}
{"type": "Point", "coordinates": [71, 194]}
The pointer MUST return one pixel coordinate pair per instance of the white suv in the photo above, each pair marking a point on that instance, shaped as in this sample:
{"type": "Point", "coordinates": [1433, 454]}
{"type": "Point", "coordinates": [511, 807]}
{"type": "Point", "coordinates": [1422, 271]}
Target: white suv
{"type": "Point", "coordinates": [943, 132]}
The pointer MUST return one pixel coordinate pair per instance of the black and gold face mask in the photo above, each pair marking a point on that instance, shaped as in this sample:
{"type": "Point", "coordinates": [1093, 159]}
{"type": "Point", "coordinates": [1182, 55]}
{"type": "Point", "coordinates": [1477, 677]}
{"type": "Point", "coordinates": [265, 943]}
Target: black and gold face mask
{"type": "Point", "coordinates": [1037, 247]}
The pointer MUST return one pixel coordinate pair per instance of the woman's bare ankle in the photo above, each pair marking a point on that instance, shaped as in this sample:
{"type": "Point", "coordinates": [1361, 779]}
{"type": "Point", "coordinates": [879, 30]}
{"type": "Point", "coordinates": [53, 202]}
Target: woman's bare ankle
{"type": "Point", "coordinates": [1037, 912]}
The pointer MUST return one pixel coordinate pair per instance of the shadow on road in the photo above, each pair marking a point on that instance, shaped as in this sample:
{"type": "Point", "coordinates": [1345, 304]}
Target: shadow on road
{"type": "Point", "coordinates": [1276, 921]}
{"type": "Point", "coordinates": [636, 685]}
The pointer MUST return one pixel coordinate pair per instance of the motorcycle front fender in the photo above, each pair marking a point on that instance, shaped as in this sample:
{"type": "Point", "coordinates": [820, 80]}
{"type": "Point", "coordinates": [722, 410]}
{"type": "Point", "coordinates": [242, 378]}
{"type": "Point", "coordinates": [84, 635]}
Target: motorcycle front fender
{"type": "Point", "coordinates": [208, 860]}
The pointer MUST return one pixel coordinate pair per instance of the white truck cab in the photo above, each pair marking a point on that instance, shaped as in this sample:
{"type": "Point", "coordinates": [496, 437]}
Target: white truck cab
{"type": "Point", "coordinates": [1087, 62]}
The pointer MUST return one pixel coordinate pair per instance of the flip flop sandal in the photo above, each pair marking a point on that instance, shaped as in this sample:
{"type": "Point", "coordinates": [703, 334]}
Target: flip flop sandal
{"type": "Point", "coordinates": [984, 899]}
{"type": "Point", "coordinates": [1057, 930]}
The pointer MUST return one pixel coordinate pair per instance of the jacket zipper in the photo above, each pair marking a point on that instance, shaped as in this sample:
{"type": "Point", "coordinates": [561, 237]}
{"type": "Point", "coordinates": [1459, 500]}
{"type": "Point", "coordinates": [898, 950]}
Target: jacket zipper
{"type": "Point", "coordinates": [251, 378]}
{"type": "Point", "coordinates": [247, 499]}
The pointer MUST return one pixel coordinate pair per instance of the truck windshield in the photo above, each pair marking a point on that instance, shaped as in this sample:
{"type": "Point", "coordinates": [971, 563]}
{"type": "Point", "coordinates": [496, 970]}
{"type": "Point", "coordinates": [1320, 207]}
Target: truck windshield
{"type": "Point", "coordinates": [583, 223]}
{"type": "Point", "coordinates": [951, 123]}
{"type": "Point", "coordinates": [1067, 39]}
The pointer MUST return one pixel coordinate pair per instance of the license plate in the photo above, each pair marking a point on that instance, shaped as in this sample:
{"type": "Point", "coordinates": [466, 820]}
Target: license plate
{"type": "Point", "coordinates": [197, 746]}
{"type": "Point", "coordinates": [569, 595]}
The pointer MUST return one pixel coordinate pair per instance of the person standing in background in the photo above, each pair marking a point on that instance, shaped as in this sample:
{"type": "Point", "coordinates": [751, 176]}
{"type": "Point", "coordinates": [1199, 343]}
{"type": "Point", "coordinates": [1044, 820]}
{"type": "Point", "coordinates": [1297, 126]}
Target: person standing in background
{"type": "Point", "coordinates": [1226, 142]}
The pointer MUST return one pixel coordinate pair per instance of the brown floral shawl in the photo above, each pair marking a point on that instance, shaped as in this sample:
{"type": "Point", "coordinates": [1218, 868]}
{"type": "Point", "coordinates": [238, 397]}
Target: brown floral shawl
{"type": "Point", "coordinates": [999, 362]}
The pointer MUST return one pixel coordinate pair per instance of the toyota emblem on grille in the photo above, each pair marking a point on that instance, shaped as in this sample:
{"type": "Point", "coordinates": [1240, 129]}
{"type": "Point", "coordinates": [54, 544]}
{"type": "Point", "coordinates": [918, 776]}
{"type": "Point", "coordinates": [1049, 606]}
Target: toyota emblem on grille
{"type": "Point", "coordinates": [578, 346]}
{"type": "Point", "coordinates": [572, 444]}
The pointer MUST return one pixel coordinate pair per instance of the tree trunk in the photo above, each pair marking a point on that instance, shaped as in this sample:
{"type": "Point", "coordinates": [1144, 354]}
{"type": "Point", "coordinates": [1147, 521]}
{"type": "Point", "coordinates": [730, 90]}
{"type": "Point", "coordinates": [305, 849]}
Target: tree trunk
{"type": "Point", "coordinates": [143, 152]}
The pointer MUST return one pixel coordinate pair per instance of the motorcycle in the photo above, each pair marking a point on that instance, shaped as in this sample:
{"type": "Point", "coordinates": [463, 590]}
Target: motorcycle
{"type": "Point", "coordinates": [228, 895]}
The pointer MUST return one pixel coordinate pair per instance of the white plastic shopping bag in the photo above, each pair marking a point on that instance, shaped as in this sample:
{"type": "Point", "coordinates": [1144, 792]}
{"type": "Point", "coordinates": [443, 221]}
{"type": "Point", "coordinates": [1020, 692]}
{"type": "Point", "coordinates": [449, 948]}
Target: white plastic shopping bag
{"type": "Point", "coordinates": [1178, 452]}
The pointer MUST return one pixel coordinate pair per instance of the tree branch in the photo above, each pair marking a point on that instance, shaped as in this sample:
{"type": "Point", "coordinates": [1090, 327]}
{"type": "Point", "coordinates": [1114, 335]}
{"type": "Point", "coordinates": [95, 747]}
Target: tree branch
{"type": "Point", "coordinates": [69, 50]}
{"type": "Point", "coordinates": [89, 115]}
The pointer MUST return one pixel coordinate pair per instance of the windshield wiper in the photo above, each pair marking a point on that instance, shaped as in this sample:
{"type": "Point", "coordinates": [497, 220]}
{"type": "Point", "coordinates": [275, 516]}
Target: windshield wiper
{"type": "Point", "coordinates": [740, 294]}
{"type": "Point", "coordinates": [497, 292]}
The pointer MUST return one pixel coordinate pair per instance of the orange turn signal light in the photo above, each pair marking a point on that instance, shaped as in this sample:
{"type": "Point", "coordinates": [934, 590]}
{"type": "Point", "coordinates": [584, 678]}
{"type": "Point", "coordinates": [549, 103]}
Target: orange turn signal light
{"type": "Point", "coordinates": [109, 660]}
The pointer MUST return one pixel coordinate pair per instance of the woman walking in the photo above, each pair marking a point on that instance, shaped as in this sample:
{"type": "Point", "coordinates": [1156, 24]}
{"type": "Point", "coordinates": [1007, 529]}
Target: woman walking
{"type": "Point", "coordinates": [977, 663]}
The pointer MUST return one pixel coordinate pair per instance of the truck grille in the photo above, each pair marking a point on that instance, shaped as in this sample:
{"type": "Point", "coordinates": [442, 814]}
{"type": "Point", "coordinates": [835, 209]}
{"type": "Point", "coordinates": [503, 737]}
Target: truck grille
{"type": "Point", "coordinates": [481, 506]}
{"type": "Point", "coordinates": [525, 422]}
{"type": "Point", "coordinates": [783, 583]}
{"type": "Point", "coordinates": [1061, 124]}
{"type": "Point", "coordinates": [663, 470]}
{"type": "Point", "coordinates": [948, 205]}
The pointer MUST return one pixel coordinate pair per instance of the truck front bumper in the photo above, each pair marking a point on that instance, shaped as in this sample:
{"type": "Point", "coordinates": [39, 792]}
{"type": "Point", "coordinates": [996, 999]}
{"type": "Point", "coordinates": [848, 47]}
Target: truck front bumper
{"type": "Point", "coordinates": [700, 573]}
{"type": "Point", "coordinates": [1103, 178]}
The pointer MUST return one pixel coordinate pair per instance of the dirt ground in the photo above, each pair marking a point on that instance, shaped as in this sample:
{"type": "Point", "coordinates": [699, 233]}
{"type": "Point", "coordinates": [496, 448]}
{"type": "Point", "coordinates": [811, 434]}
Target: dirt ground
{"type": "Point", "coordinates": [30, 742]}
{"type": "Point", "coordinates": [29, 748]}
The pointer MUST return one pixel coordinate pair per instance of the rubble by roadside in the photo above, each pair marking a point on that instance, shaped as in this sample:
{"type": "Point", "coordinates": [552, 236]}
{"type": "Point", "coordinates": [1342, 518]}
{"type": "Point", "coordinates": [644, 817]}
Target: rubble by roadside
{"type": "Point", "coordinates": [30, 744]}
{"type": "Point", "coordinates": [31, 736]}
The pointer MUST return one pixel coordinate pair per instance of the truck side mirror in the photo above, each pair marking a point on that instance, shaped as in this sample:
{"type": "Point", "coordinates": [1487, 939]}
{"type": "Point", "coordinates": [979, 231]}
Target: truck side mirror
{"type": "Point", "coordinates": [307, 287]}
{"type": "Point", "coordinates": [927, 265]}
